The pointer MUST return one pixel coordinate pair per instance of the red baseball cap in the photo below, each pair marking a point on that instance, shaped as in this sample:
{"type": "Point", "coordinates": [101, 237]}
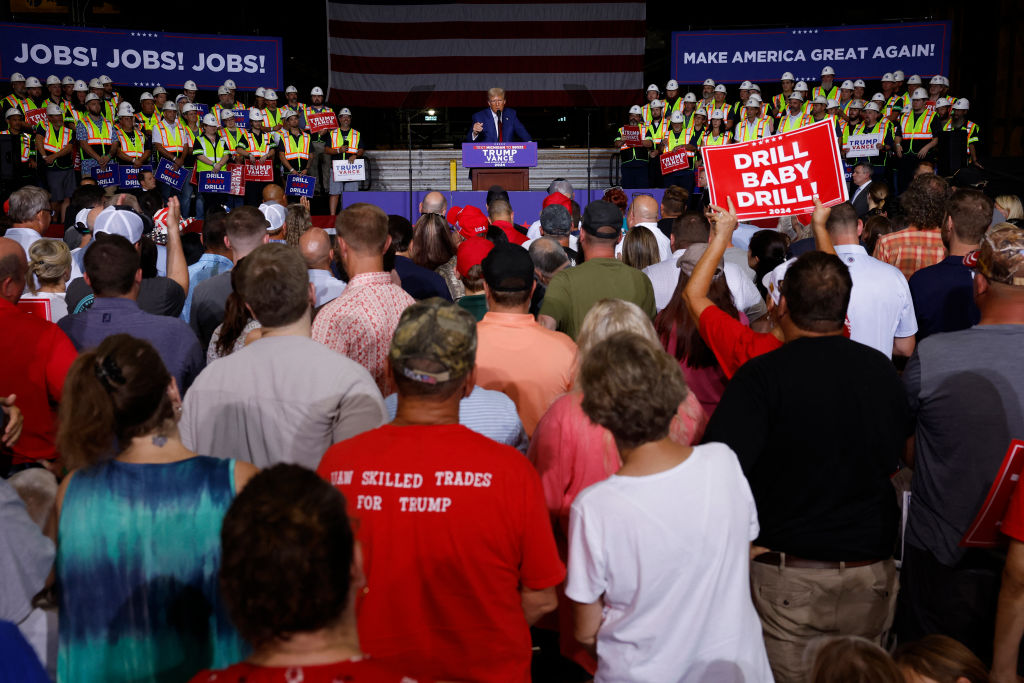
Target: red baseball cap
{"type": "Point", "coordinates": [469, 221]}
{"type": "Point", "coordinates": [557, 198]}
{"type": "Point", "coordinates": [471, 253]}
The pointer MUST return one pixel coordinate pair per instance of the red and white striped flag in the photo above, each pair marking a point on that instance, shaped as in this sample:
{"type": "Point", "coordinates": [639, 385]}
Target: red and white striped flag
{"type": "Point", "coordinates": [542, 53]}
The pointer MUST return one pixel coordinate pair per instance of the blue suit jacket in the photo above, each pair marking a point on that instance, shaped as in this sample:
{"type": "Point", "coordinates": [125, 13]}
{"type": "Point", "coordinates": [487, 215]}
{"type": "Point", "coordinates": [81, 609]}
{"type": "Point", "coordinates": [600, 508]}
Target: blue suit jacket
{"type": "Point", "coordinates": [512, 129]}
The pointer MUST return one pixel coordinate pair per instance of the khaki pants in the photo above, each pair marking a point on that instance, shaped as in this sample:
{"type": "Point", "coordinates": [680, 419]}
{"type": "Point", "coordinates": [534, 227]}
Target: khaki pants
{"type": "Point", "coordinates": [798, 605]}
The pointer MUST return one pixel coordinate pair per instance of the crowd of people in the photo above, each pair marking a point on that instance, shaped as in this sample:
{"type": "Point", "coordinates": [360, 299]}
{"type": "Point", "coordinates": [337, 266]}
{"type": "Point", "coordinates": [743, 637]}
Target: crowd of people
{"type": "Point", "coordinates": [670, 446]}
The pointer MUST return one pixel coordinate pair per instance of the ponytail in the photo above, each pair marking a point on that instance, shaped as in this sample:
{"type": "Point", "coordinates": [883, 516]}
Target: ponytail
{"type": "Point", "coordinates": [236, 315]}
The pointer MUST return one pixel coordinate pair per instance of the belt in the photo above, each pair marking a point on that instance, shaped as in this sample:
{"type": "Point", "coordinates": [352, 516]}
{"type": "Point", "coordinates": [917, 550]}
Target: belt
{"type": "Point", "coordinates": [776, 559]}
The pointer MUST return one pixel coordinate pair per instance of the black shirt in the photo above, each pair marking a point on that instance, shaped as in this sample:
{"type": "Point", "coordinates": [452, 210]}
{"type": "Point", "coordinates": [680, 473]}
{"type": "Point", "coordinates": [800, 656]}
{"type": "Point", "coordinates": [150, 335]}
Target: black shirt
{"type": "Point", "coordinates": [819, 426]}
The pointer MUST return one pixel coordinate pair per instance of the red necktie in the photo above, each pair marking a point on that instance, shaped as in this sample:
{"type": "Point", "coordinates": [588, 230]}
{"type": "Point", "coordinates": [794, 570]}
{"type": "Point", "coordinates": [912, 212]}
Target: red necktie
{"type": "Point", "coordinates": [500, 136]}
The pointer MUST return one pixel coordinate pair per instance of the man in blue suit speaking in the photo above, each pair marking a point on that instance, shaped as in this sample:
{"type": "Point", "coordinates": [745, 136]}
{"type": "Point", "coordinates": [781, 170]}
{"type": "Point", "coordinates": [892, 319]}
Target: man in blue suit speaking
{"type": "Point", "coordinates": [496, 123]}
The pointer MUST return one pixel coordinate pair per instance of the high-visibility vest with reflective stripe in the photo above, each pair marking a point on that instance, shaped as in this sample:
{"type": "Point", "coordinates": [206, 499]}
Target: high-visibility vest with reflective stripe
{"type": "Point", "coordinates": [295, 148]}
{"type": "Point", "coordinates": [12, 101]}
{"type": "Point", "coordinates": [96, 136]}
{"type": "Point", "coordinates": [747, 131]}
{"type": "Point", "coordinates": [240, 138]}
{"type": "Point", "coordinates": [891, 103]}
{"type": "Point", "coordinates": [173, 135]}
{"type": "Point", "coordinates": [148, 121]}
{"type": "Point", "coordinates": [271, 118]}
{"type": "Point", "coordinates": [779, 103]}
{"type": "Point", "coordinates": [260, 147]}
{"type": "Point", "coordinates": [832, 94]}
{"type": "Point", "coordinates": [133, 146]}
{"type": "Point", "coordinates": [26, 145]}
{"type": "Point", "coordinates": [645, 114]}
{"type": "Point", "coordinates": [657, 133]}
{"type": "Point", "coordinates": [845, 107]}
{"type": "Point", "coordinates": [709, 140]}
{"type": "Point", "coordinates": [218, 108]}
{"type": "Point", "coordinates": [683, 139]}
{"type": "Point", "coordinates": [211, 150]}
{"type": "Point", "coordinates": [108, 111]}
{"type": "Point", "coordinates": [55, 139]}
{"type": "Point", "coordinates": [919, 128]}
{"type": "Point", "coordinates": [972, 130]}
{"type": "Point", "coordinates": [338, 140]}
{"type": "Point", "coordinates": [787, 122]}
{"type": "Point", "coordinates": [724, 107]}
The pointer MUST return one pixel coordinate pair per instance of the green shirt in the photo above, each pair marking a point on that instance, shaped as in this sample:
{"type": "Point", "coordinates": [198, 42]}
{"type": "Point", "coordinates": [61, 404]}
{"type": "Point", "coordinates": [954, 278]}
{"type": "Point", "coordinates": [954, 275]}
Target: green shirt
{"type": "Point", "coordinates": [475, 304]}
{"type": "Point", "coordinates": [573, 291]}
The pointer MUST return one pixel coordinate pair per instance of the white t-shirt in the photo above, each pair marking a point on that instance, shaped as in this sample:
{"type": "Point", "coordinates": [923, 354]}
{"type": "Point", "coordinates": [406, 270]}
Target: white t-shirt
{"type": "Point", "coordinates": [664, 277]}
{"type": "Point", "coordinates": [664, 246]}
{"type": "Point", "coordinates": [670, 554]}
{"type": "Point", "coordinates": [880, 303]}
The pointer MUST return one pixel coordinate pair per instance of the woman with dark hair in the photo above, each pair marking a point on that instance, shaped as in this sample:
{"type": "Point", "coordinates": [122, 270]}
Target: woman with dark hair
{"type": "Point", "coordinates": [640, 249]}
{"type": "Point", "coordinates": [941, 659]}
{"type": "Point", "coordinates": [874, 227]}
{"type": "Point", "coordinates": [433, 248]}
{"type": "Point", "coordinates": [239, 327]}
{"type": "Point", "coordinates": [878, 194]}
{"type": "Point", "coordinates": [677, 331]}
{"type": "Point", "coordinates": [289, 576]}
{"type": "Point", "coordinates": [138, 521]}
{"type": "Point", "coordinates": [767, 249]}
{"type": "Point", "coordinates": [842, 659]}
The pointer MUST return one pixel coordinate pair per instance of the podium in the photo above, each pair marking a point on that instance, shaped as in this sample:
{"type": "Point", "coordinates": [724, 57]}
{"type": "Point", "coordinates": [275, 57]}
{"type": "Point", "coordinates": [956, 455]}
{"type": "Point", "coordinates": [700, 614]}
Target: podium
{"type": "Point", "coordinates": [500, 163]}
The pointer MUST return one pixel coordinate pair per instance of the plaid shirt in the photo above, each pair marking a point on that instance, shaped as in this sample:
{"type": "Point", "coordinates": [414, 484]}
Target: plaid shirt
{"type": "Point", "coordinates": [911, 250]}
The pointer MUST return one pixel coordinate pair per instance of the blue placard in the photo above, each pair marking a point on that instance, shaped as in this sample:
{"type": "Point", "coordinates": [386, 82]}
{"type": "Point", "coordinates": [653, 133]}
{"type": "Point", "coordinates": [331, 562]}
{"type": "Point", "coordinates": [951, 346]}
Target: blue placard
{"type": "Point", "coordinates": [105, 177]}
{"type": "Point", "coordinates": [763, 55]}
{"type": "Point", "coordinates": [168, 175]}
{"type": "Point", "coordinates": [215, 181]}
{"type": "Point", "coordinates": [242, 118]}
{"type": "Point", "coordinates": [142, 58]}
{"type": "Point", "coordinates": [204, 109]}
{"type": "Point", "coordinates": [499, 154]}
{"type": "Point", "coordinates": [299, 185]}
{"type": "Point", "coordinates": [128, 176]}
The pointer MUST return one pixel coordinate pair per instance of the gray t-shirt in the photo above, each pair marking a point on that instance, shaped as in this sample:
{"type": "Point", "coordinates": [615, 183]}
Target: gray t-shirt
{"type": "Point", "coordinates": [279, 399]}
{"type": "Point", "coordinates": [967, 390]}
{"type": "Point", "coordinates": [26, 556]}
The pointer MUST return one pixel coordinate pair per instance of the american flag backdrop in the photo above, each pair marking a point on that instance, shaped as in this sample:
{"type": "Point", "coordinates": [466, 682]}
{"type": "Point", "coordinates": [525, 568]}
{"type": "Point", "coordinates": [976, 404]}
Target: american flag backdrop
{"type": "Point", "coordinates": [542, 53]}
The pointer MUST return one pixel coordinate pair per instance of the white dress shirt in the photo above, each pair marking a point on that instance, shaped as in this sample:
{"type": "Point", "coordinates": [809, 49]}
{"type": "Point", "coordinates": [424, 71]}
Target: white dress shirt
{"type": "Point", "coordinates": [880, 303]}
{"type": "Point", "coordinates": [327, 286]}
{"type": "Point", "coordinates": [664, 246]}
{"type": "Point", "coordinates": [664, 277]}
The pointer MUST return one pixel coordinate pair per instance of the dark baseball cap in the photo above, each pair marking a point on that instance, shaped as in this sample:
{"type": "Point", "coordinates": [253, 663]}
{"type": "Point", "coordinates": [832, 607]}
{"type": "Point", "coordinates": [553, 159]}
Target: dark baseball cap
{"type": "Point", "coordinates": [602, 219]}
{"type": "Point", "coordinates": [508, 268]}
{"type": "Point", "coordinates": [436, 331]}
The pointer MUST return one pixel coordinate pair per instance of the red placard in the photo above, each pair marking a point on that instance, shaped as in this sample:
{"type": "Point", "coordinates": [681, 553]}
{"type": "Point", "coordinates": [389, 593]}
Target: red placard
{"type": "Point", "coordinates": [262, 172]}
{"type": "Point", "coordinates": [675, 161]}
{"type": "Point", "coordinates": [632, 136]}
{"type": "Point", "coordinates": [237, 172]}
{"type": "Point", "coordinates": [984, 531]}
{"type": "Point", "coordinates": [778, 175]}
{"type": "Point", "coordinates": [34, 117]}
{"type": "Point", "coordinates": [40, 307]}
{"type": "Point", "coordinates": [322, 121]}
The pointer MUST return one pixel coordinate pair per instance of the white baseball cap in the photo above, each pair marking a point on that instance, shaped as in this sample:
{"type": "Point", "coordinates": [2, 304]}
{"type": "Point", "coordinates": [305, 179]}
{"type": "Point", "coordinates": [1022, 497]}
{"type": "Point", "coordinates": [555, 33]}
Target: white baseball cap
{"type": "Point", "coordinates": [828, 71]}
{"type": "Point", "coordinates": [52, 80]}
{"type": "Point", "coordinates": [275, 215]}
{"type": "Point", "coordinates": [223, 90]}
{"type": "Point", "coordinates": [255, 114]}
{"type": "Point", "coordinates": [635, 109]}
{"type": "Point", "coordinates": [962, 103]}
{"type": "Point", "coordinates": [145, 96]}
{"type": "Point", "coordinates": [211, 120]}
{"type": "Point", "coordinates": [801, 86]}
{"type": "Point", "coordinates": [847, 85]}
{"type": "Point", "coordinates": [690, 97]}
{"type": "Point", "coordinates": [720, 87]}
{"type": "Point", "coordinates": [13, 111]}
{"type": "Point", "coordinates": [745, 85]}
{"type": "Point", "coordinates": [677, 117]}
{"type": "Point", "coordinates": [169, 106]}
{"type": "Point", "coordinates": [718, 114]}
{"type": "Point", "coordinates": [159, 90]}
{"type": "Point", "coordinates": [344, 111]}
{"type": "Point", "coordinates": [81, 86]}
{"type": "Point", "coordinates": [914, 80]}
{"type": "Point", "coordinates": [53, 110]}
{"type": "Point", "coordinates": [919, 94]}
{"type": "Point", "coordinates": [872, 106]}
{"type": "Point", "coordinates": [819, 100]}
{"type": "Point", "coordinates": [672, 85]}
{"type": "Point", "coordinates": [709, 81]}
{"type": "Point", "coordinates": [291, 88]}
{"type": "Point", "coordinates": [105, 79]}
{"type": "Point", "coordinates": [16, 77]}
{"type": "Point", "coordinates": [190, 85]}
{"type": "Point", "coordinates": [261, 91]}
{"type": "Point", "coordinates": [95, 83]}
{"type": "Point", "coordinates": [788, 76]}
{"type": "Point", "coordinates": [115, 221]}
{"type": "Point", "coordinates": [831, 104]}
{"type": "Point", "coordinates": [269, 94]}
{"type": "Point", "coordinates": [878, 97]}
{"type": "Point", "coordinates": [67, 80]}
{"type": "Point", "coordinates": [91, 97]}
{"type": "Point", "coordinates": [772, 280]}
{"type": "Point", "coordinates": [859, 83]}
{"type": "Point", "coordinates": [226, 114]}
{"type": "Point", "coordinates": [82, 217]}
{"type": "Point", "coordinates": [796, 95]}
{"type": "Point", "coordinates": [887, 78]}
{"type": "Point", "coordinates": [229, 84]}
{"type": "Point", "coordinates": [897, 76]}
{"type": "Point", "coordinates": [33, 82]}
{"type": "Point", "coordinates": [125, 109]}
{"type": "Point", "coordinates": [317, 91]}
{"type": "Point", "coordinates": [657, 104]}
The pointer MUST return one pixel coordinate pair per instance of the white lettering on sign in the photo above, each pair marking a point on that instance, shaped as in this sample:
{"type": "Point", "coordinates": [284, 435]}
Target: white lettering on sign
{"type": "Point", "coordinates": [450, 478]}
{"type": "Point", "coordinates": [368, 502]}
{"type": "Point", "coordinates": [769, 157]}
{"type": "Point", "coordinates": [341, 477]}
{"type": "Point", "coordinates": [781, 196]}
{"type": "Point", "coordinates": [425, 503]}
{"type": "Point", "coordinates": [499, 156]}
{"type": "Point", "coordinates": [396, 480]}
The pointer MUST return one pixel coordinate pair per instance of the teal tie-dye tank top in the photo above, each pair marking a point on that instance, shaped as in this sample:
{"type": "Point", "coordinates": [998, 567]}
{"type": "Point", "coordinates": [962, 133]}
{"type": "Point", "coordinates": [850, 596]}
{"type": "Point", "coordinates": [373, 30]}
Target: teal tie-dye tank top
{"type": "Point", "coordinates": [137, 562]}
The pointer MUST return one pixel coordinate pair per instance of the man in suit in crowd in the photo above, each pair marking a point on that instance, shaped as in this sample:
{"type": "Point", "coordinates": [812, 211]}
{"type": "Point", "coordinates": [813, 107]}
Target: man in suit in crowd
{"type": "Point", "coordinates": [859, 185]}
{"type": "Point", "coordinates": [496, 123]}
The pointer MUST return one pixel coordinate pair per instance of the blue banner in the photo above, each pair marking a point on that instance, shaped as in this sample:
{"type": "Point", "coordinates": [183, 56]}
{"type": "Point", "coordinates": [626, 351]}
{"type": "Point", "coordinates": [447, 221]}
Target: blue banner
{"type": "Point", "coordinates": [175, 177]}
{"type": "Point", "coordinates": [141, 58]}
{"type": "Point", "coordinates": [128, 176]}
{"type": "Point", "coordinates": [298, 185]}
{"type": "Point", "coordinates": [762, 55]}
{"type": "Point", "coordinates": [215, 181]}
{"type": "Point", "coordinates": [105, 176]}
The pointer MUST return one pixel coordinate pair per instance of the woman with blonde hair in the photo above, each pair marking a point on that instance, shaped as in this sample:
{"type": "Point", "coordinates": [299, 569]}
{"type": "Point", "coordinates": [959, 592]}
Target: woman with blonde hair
{"type": "Point", "coordinates": [1009, 205]}
{"type": "Point", "coordinates": [49, 268]}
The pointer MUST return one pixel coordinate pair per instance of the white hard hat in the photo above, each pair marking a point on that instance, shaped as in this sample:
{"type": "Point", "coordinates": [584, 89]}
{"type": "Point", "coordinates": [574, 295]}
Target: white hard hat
{"type": "Point", "coordinates": [872, 106]}
{"type": "Point", "coordinates": [92, 97]}
{"type": "Point", "coordinates": [169, 106]}
{"type": "Point", "coordinates": [13, 111]}
{"type": "Point", "coordinates": [847, 85]}
{"type": "Point", "coordinates": [226, 114]}
{"type": "Point", "coordinates": [15, 78]}
{"type": "Point", "coordinates": [887, 78]}
{"type": "Point", "coordinates": [801, 86]}
{"type": "Point", "coordinates": [190, 85]}
{"type": "Point", "coordinates": [718, 114]}
{"type": "Point", "coordinates": [745, 85]}
{"type": "Point", "coordinates": [751, 102]}
{"type": "Point", "coordinates": [52, 80]}
{"type": "Point", "coordinates": [269, 94]}
{"type": "Point", "coordinates": [255, 114]}
{"type": "Point", "coordinates": [857, 104]}
{"type": "Point", "coordinates": [125, 109]}
{"type": "Point", "coordinates": [95, 83]}
{"type": "Point", "coordinates": [223, 90]}
{"type": "Point", "coordinates": [635, 109]}
{"type": "Point", "coordinates": [653, 87]}
{"type": "Point", "coordinates": [145, 96]}
{"type": "Point", "coordinates": [897, 76]}
{"type": "Point", "coordinates": [755, 96]}
{"type": "Point", "coordinates": [936, 80]}
{"type": "Point", "coordinates": [53, 110]}
{"type": "Point", "coordinates": [33, 82]}
{"type": "Point", "coordinates": [943, 102]}
{"type": "Point", "coordinates": [831, 104]}
{"type": "Point", "coordinates": [919, 94]}
{"type": "Point", "coordinates": [179, 97]}
{"type": "Point", "coordinates": [81, 86]}
{"type": "Point", "coordinates": [819, 100]}
{"type": "Point", "coordinates": [657, 104]}
{"type": "Point", "coordinates": [709, 81]}
{"type": "Point", "coordinates": [188, 107]}
{"type": "Point", "coordinates": [945, 81]}
{"type": "Point", "coordinates": [914, 80]}
{"type": "Point", "coordinates": [291, 88]}
{"type": "Point", "coordinates": [878, 97]}
{"type": "Point", "coordinates": [755, 87]}
{"type": "Point", "coordinates": [288, 112]}
{"type": "Point", "coordinates": [859, 84]}
{"type": "Point", "coordinates": [962, 103]}
{"type": "Point", "coordinates": [105, 79]}
{"type": "Point", "coordinates": [67, 80]}
{"type": "Point", "coordinates": [701, 111]}
{"type": "Point", "coordinates": [677, 117]}
{"type": "Point", "coordinates": [159, 90]}
{"type": "Point", "coordinates": [672, 85]}
{"type": "Point", "coordinates": [828, 71]}
{"type": "Point", "coordinates": [788, 76]}
{"type": "Point", "coordinates": [690, 97]}
{"type": "Point", "coordinates": [796, 95]}
{"type": "Point", "coordinates": [345, 111]}
{"type": "Point", "coordinates": [317, 91]}
{"type": "Point", "coordinates": [261, 91]}
{"type": "Point", "coordinates": [230, 84]}
{"type": "Point", "coordinates": [720, 87]}
{"type": "Point", "coordinates": [211, 120]}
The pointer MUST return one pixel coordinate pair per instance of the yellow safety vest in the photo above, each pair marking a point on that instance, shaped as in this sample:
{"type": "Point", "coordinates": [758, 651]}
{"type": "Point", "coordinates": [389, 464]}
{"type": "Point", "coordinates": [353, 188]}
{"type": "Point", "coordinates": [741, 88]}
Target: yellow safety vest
{"type": "Point", "coordinates": [919, 129]}
{"type": "Point", "coordinates": [211, 150]}
{"type": "Point", "coordinates": [972, 130]}
{"type": "Point", "coordinates": [786, 123]}
{"type": "Point", "coordinates": [747, 131]}
{"type": "Point", "coordinates": [133, 147]}
{"type": "Point", "coordinates": [148, 121]}
{"type": "Point", "coordinates": [26, 145]}
{"type": "Point", "coordinates": [832, 94]}
{"type": "Point", "coordinates": [658, 134]}
{"type": "Point", "coordinates": [13, 101]}
{"type": "Point", "coordinates": [109, 111]}
{"type": "Point", "coordinates": [272, 118]}
{"type": "Point", "coordinates": [709, 140]}
{"type": "Point", "coordinates": [779, 102]}
{"type": "Point", "coordinates": [724, 107]}
{"type": "Point", "coordinates": [891, 103]}
{"type": "Point", "coordinates": [96, 137]}
{"type": "Point", "coordinates": [56, 139]}
{"type": "Point", "coordinates": [338, 140]}
{"type": "Point", "coordinates": [260, 147]}
{"type": "Point", "coordinates": [295, 148]}
{"type": "Point", "coordinates": [173, 136]}
{"type": "Point", "coordinates": [240, 139]}
{"type": "Point", "coordinates": [683, 139]}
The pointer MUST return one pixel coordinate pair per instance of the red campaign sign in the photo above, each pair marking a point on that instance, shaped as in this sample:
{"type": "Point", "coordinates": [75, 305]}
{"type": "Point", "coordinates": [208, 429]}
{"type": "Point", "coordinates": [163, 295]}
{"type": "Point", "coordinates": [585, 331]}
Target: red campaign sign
{"type": "Point", "coordinates": [779, 175]}
{"type": "Point", "coordinates": [675, 161]}
{"type": "Point", "coordinates": [984, 531]}
{"type": "Point", "coordinates": [321, 122]}
{"type": "Point", "coordinates": [34, 117]}
{"type": "Point", "coordinates": [632, 136]}
{"type": "Point", "coordinates": [260, 173]}
{"type": "Point", "coordinates": [237, 172]}
{"type": "Point", "coordinates": [39, 307]}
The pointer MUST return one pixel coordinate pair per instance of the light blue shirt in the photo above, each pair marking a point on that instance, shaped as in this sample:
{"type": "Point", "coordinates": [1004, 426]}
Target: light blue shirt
{"type": "Point", "coordinates": [487, 412]}
{"type": "Point", "coordinates": [206, 267]}
{"type": "Point", "coordinates": [328, 287]}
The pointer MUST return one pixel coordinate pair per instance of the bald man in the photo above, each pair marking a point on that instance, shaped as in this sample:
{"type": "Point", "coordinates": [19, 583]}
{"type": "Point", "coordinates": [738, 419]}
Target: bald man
{"type": "Point", "coordinates": [315, 246]}
{"type": "Point", "coordinates": [643, 213]}
{"type": "Point", "coordinates": [274, 194]}
{"type": "Point", "coordinates": [434, 202]}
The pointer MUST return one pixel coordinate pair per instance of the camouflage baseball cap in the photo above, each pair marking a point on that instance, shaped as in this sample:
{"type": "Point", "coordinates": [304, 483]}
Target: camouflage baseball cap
{"type": "Point", "coordinates": [1001, 256]}
{"type": "Point", "coordinates": [438, 332]}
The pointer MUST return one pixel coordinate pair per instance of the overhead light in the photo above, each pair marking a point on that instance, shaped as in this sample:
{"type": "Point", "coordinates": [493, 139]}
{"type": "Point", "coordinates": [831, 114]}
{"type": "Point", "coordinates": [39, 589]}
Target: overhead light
{"type": "Point", "coordinates": [431, 112]}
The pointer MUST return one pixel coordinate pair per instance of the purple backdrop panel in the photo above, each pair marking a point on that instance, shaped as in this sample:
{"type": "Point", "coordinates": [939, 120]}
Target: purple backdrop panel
{"type": "Point", "coordinates": [498, 154]}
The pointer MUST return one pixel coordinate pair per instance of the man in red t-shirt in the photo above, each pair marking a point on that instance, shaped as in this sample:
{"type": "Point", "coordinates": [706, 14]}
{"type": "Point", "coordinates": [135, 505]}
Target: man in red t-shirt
{"type": "Point", "coordinates": [34, 358]}
{"type": "Point", "coordinates": [458, 549]}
